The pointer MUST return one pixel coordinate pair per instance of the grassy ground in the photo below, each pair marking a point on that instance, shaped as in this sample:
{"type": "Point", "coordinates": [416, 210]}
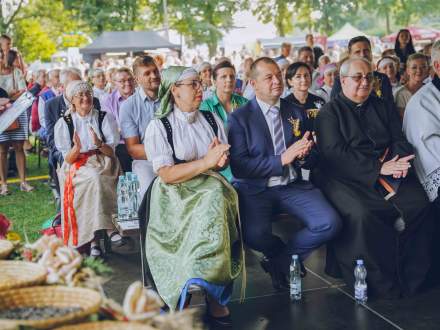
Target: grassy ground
{"type": "Point", "coordinates": [28, 211]}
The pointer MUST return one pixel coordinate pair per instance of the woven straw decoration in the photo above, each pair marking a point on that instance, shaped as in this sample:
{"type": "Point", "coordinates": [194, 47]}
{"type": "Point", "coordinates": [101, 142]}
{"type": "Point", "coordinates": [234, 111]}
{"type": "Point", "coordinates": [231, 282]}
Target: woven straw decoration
{"type": "Point", "coordinates": [17, 274]}
{"type": "Point", "coordinates": [45, 296]}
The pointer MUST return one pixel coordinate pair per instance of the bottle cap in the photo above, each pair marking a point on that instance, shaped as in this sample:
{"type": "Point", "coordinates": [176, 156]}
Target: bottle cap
{"type": "Point", "coordinates": [359, 262]}
{"type": "Point", "coordinates": [295, 256]}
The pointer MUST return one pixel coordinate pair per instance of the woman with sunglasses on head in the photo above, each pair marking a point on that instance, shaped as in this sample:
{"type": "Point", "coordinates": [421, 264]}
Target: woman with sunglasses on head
{"type": "Point", "coordinates": [195, 241]}
{"type": "Point", "coordinates": [224, 101]}
{"type": "Point", "coordinates": [87, 138]}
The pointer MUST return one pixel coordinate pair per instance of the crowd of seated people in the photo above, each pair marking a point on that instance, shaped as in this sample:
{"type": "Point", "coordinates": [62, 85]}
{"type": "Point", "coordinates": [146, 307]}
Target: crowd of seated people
{"type": "Point", "coordinates": [227, 154]}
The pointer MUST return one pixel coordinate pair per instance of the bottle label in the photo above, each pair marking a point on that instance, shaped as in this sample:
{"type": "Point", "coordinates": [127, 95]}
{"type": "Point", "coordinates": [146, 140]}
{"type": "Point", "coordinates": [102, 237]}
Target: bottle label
{"type": "Point", "coordinates": [360, 292]}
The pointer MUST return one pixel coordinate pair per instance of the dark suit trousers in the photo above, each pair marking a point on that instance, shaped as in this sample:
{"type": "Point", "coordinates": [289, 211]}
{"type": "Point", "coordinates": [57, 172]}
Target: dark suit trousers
{"type": "Point", "coordinates": [124, 158]}
{"type": "Point", "coordinates": [301, 200]}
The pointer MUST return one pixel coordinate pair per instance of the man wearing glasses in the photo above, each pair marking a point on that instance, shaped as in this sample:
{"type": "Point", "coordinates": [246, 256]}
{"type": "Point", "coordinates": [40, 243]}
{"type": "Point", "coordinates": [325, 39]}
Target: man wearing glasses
{"type": "Point", "coordinates": [124, 83]}
{"type": "Point", "coordinates": [135, 115]}
{"type": "Point", "coordinates": [361, 47]}
{"type": "Point", "coordinates": [365, 171]}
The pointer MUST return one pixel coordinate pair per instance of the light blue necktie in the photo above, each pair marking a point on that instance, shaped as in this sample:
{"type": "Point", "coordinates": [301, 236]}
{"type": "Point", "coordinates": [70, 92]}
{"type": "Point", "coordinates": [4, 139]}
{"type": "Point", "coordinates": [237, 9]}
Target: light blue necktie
{"type": "Point", "coordinates": [278, 136]}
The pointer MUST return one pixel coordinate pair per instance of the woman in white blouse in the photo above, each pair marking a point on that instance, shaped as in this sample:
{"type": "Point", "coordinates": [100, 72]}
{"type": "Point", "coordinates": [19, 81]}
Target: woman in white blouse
{"type": "Point", "coordinates": [191, 238]}
{"type": "Point", "coordinates": [88, 177]}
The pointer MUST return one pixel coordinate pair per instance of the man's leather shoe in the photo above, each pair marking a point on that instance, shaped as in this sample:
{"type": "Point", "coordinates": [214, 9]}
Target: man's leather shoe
{"type": "Point", "coordinates": [279, 278]}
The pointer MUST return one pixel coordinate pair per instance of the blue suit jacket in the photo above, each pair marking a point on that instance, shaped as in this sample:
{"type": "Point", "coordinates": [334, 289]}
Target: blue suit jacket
{"type": "Point", "coordinates": [252, 157]}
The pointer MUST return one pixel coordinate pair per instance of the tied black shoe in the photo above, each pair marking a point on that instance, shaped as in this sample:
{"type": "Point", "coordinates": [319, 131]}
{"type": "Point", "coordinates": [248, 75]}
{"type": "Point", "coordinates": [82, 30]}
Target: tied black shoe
{"type": "Point", "coordinates": [279, 280]}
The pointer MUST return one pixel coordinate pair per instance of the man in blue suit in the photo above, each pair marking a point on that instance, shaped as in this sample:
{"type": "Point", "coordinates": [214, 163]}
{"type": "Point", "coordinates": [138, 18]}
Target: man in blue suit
{"type": "Point", "coordinates": [269, 146]}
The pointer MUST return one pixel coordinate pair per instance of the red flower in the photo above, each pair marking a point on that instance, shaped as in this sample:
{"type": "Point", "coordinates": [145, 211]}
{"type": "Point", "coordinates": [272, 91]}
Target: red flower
{"type": "Point", "coordinates": [27, 254]}
{"type": "Point", "coordinates": [4, 226]}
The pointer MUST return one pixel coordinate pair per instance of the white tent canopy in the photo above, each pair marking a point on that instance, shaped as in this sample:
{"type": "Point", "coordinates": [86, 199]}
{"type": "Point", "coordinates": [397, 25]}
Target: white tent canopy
{"type": "Point", "coordinates": [347, 32]}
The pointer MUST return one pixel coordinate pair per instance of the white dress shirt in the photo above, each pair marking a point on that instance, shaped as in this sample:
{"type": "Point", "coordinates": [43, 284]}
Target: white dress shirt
{"type": "Point", "coordinates": [276, 180]}
{"type": "Point", "coordinates": [192, 135]}
{"type": "Point", "coordinates": [81, 126]}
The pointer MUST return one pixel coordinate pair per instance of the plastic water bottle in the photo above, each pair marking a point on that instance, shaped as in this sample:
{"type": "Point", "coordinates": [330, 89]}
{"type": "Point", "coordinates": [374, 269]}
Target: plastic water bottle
{"type": "Point", "coordinates": [123, 199]}
{"type": "Point", "coordinates": [295, 279]}
{"type": "Point", "coordinates": [360, 284]}
{"type": "Point", "coordinates": [136, 197]}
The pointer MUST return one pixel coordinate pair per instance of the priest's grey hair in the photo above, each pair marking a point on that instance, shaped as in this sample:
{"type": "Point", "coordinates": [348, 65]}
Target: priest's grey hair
{"type": "Point", "coordinates": [435, 51]}
{"type": "Point", "coordinates": [345, 67]}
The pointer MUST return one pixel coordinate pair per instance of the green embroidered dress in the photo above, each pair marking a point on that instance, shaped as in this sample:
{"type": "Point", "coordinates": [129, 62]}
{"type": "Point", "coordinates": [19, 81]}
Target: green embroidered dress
{"type": "Point", "coordinates": [192, 233]}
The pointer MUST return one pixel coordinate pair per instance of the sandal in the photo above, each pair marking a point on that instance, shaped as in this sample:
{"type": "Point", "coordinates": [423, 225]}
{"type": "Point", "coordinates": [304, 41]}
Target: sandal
{"type": "Point", "coordinates": [26, 187]}
{"type": "Point", "coordinates": [4, 190]}
{"type": "Point", "coordinates": [95, 250]}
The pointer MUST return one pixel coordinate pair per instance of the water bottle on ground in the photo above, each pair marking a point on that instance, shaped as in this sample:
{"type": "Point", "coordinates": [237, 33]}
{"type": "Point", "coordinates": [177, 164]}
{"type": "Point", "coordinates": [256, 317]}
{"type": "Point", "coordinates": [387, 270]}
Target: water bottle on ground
{"type": "Point", "coordinates": [136, 196]}
{"type": "Point", "coordinates": [123, 199]}
{"type": "Point", "coordinates": [360, 284]}
{"type": "Point", "coordinates": [295, 279]}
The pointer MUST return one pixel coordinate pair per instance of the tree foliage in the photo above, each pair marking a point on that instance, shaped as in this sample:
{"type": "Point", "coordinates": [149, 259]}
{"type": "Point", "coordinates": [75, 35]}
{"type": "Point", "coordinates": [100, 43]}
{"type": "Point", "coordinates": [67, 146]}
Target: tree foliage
{"type": "Point", "coordinates": [279, 12]}
{"type": "Point", "coordinates": [107, 15]}
{"type": "Point", "coordinates": [33, 42]}
{"type": "Point", "coordinates": [200, 21]}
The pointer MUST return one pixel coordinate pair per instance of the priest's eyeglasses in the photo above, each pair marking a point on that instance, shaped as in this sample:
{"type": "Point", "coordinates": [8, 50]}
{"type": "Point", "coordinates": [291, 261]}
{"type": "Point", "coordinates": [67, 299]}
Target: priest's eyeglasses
{"type": "Point", "coordinates": [195, 84]}
{"type": "Point", "coordinates": [359, 77]}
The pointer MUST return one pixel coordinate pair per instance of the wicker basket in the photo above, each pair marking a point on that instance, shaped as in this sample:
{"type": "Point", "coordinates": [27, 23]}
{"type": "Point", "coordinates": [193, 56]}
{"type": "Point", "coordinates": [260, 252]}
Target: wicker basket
{"type": "Point", "coordinates": [45, 296]}
{"type": "Point", "coordinates": [6, 248]}
{"type": "Point", "coordinates": [17, 274]}
{"type": "Point", "coordinates": [108, 325]}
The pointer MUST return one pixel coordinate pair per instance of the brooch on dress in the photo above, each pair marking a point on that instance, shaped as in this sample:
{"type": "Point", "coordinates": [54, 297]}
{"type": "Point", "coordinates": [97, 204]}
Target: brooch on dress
{"type": "Point", "coordinates": [312, 113]}
{"type": "Point", "coordinates": [377, 84]}
{"type": "Point", "coordinates": [295, 126]}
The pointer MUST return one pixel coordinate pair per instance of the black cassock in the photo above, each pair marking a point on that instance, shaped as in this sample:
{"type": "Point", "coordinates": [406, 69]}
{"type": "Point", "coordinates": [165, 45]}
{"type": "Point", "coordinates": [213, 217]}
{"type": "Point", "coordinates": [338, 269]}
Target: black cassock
{"type": "Point", "coordinates": [351, 139]}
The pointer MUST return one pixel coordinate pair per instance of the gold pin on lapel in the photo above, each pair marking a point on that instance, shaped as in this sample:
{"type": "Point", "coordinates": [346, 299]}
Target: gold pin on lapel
{"type": "Point", "coordinates": [295, 126]}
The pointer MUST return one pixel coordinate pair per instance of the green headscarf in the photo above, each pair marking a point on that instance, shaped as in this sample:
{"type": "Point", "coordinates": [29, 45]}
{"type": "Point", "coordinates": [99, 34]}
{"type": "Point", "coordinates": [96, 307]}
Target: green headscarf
{"type": "Point", "coordinates": [169, 76]}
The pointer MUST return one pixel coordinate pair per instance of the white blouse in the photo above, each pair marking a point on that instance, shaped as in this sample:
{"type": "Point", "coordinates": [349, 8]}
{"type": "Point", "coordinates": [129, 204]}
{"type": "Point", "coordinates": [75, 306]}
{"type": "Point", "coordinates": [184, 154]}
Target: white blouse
{"type": "Point", "coordinates": [81, 126]}
{"type": "Point", "coordinates": [192, 135]}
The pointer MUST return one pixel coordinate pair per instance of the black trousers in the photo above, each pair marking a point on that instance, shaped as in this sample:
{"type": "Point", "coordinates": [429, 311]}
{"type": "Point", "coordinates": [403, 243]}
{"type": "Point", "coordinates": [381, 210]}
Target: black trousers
{"type": "Point", "coordinates": [124, 158]}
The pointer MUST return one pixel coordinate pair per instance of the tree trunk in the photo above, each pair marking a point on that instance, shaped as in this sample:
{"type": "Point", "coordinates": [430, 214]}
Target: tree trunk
{"type": "Point", "coordinates": [212, 47]}
{"type": "Point", "coordinates": [387, 20]}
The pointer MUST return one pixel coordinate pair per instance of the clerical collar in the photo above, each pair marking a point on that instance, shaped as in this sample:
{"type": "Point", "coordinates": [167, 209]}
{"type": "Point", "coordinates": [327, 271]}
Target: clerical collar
{"type": "Point", "coordinates": [436, 82]}
{"type": "Point", "coordinates": [351, 103]}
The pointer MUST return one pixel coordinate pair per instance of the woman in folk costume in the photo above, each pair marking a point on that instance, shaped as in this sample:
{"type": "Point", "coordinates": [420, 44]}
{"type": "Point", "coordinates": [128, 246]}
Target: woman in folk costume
{"type": "Point", "coordinates": [192, 235]}
{"type": "Point", "coordinates": [88, 177]}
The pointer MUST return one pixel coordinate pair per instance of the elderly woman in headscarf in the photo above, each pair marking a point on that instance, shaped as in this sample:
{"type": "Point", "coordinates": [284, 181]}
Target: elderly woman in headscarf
{"type": "Point", "coordinates": [205, 73]}
{"type": "Point", "coordinates": [88, 177]}
{"type": "Point", "coordinates": [326, 81]}
{"type": "Point", "coordinates": [389, 65]}
{"type": "Point", "coordinates": [196, 240]}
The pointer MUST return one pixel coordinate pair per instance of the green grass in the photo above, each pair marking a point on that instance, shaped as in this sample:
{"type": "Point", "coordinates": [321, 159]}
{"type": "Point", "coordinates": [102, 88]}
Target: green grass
{"type": "Point", "coordinates": [28, 211]}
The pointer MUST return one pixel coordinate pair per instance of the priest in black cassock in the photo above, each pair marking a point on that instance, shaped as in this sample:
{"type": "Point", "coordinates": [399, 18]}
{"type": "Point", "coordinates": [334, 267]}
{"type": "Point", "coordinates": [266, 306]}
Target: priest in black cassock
{"type": "Point", "coordinates": [365, 171]}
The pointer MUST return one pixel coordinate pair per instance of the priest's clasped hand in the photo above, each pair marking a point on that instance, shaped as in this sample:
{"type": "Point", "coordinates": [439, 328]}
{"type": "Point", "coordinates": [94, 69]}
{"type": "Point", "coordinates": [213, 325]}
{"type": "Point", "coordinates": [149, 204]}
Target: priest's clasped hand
{"type": "Point", "coordinates": [298, 150]}
{"type": "Point", "coordinates": [397, 167]}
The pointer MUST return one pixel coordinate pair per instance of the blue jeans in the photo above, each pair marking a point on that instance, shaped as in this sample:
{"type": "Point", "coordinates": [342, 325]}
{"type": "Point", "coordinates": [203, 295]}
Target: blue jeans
{"type": "Point", "coordinates": [301, 200]}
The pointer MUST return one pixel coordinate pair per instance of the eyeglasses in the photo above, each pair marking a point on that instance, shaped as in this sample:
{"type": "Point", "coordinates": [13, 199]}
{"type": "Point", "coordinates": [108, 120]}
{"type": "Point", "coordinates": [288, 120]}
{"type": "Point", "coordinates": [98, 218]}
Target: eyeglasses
{"type": "Point", "coordinates": [83, 94]}
{"type": "Point", "coordinates": [415, 68]}
{"type": "Point", "coordinates": [123, 82]}
{"type": "Point", "coordinates": [359, 77]}
{"type": "Point", "coordinates": [196, 84]}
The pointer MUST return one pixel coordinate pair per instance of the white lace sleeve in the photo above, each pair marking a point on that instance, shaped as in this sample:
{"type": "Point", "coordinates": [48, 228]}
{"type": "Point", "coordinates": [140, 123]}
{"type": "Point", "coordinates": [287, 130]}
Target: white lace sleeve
{"type": "Point", "coordinates": [432, 184]}
{"type": "Point", "coordinates": [156, 145]}
{"type": "Point", "coordinates": [62, 137]}
{"type": "Point", "coordinates": [110, 130]}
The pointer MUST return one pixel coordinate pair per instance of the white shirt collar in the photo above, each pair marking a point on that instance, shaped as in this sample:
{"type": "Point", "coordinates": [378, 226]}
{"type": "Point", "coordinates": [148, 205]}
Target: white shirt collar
{"type": "Point", "coordinates": [188, 117]}
{"type": "Point", "coordinates": [266, 107]}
